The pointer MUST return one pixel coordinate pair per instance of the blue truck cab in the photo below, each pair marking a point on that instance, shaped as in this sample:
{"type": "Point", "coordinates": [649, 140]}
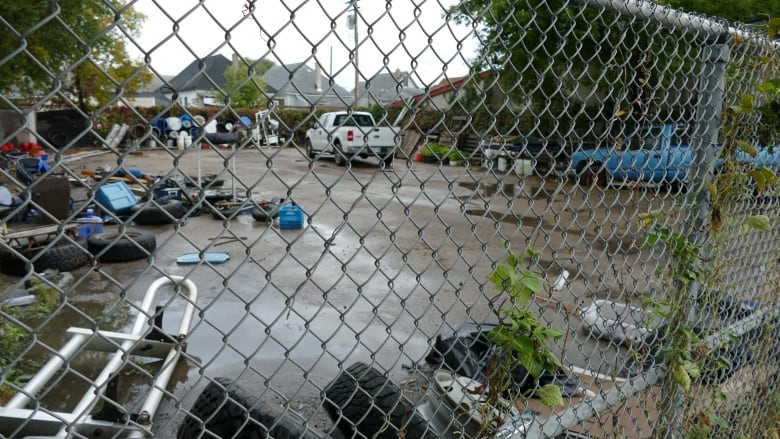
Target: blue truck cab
{"type": "Point", "coordinates": [654, 154]}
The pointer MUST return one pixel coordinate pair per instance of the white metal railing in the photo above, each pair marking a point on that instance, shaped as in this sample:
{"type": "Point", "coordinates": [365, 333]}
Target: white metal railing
{"type": "Point", "coordinates": [15, 419]}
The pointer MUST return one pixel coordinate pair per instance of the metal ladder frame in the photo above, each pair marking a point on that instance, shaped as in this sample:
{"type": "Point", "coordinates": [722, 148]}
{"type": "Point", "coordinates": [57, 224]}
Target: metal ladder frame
{"type": "Point", "coordinates": [19, 421]}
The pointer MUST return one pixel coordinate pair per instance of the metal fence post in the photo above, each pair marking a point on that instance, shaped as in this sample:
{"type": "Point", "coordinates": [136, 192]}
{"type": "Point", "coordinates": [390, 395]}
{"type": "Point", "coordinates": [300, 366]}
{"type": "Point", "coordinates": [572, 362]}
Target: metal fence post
{"type": "Point", "coordinates": [704, 144]}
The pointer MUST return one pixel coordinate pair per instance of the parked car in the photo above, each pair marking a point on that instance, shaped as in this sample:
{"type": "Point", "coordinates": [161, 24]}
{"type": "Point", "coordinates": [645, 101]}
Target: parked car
{"type": "Point", "coordinates": [347, 134]}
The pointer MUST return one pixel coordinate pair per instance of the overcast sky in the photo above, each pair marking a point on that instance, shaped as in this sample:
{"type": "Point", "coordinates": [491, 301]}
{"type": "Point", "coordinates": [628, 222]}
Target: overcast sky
{"type": "Point", "coordinates": [408, 35]}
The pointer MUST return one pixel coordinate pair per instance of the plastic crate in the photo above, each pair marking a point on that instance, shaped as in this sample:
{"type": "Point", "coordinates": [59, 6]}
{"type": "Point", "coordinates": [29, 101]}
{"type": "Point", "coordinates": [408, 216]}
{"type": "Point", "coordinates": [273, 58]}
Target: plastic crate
{"type": "Point", "coordinates": [290, 217]}
{"type": "Point", "coordinates": [116, 197]}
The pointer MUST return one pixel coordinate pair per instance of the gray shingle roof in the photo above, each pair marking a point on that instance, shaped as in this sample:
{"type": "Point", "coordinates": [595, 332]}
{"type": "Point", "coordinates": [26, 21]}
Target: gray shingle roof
{"type": "Point", "coordinates": [205, 74]}
{"type": "Point", "coordinates": [388, 87]}
{"type": "Point", "coordinates": [298, 76]}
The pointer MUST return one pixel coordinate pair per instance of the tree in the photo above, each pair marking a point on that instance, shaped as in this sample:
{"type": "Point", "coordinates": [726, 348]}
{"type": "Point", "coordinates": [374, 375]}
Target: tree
{"type": "Point", "coordinates": [744, 11]}
{"type": "Point", "coordinates": [244, 84]}
{"type": "Point", "coordinates": [542, 52]}
{"type": "Point", "coordinates": [76, 49]}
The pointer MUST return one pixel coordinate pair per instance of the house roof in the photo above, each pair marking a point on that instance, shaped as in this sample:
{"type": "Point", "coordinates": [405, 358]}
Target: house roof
{"type": "Point", "coordinates": [156, 82]}
{"type": "Point", "coordinates": [159, 98]}
{"type": "Point", "coordinates": [445, 85]}
{"type": "Point", "coordinates": [301, 78]}
{"type": "Point", "coordinates": [388, 87]}
{"type": "Point", "coordinates": [291, 79]}
{"type": "Point", "coordinates": [203, 74]}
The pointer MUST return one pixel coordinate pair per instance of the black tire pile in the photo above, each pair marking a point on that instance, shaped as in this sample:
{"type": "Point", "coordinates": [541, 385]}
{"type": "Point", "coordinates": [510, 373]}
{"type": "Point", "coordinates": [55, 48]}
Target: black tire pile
{"type": "Point", "coordinates": [67, 254]}
{"type": "Point", "coordinates": [361, 402]}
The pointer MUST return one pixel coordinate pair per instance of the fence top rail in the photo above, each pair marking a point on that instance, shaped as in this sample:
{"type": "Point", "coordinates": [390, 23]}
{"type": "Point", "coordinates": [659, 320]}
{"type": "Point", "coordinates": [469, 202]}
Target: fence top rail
{"type": "Point", "coordinates": [703, 28]}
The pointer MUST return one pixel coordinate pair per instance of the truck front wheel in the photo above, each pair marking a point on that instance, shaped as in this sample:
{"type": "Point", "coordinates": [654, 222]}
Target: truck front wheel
{"type": "Point", "coordinates": [596, 176]}
{"type": "Point", "coordinates": [591, 175]}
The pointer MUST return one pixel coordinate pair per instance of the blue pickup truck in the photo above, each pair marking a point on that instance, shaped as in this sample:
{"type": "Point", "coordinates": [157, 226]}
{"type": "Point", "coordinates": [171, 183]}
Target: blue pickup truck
{"type": "Point", "coordinates": [652, 154]}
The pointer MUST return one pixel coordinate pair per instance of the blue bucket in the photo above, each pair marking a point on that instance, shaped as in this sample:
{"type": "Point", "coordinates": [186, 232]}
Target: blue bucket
{"type": "Point", "coordinates": [161, 125]}
{"type": "Point", "coordinates": [186, 121]}
{"type": "Point", "coordinates": [290, 217]}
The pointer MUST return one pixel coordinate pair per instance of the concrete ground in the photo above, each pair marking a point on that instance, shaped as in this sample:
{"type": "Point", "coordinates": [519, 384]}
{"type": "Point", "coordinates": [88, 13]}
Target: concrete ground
{"type": "Point", "coordinates": [385, 260]}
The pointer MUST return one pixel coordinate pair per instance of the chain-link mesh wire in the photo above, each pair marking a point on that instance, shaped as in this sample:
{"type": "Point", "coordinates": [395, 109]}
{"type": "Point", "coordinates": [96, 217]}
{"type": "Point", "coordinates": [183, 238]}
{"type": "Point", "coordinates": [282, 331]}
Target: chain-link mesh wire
{"type": "Point", "coordinates": [323, 291]}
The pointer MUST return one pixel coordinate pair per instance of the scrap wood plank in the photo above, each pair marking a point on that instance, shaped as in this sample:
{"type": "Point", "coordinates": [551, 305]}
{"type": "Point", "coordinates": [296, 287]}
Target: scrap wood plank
{"type": "Point", "coordinates": [37, 231]}
{"type": "Point", "coordinates": [127, 179]}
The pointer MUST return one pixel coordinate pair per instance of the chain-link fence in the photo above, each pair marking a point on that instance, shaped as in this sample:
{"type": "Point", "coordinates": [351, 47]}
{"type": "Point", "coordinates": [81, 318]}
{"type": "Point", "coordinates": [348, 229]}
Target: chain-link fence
{"type": "Point", "coordinates": [574, 237]}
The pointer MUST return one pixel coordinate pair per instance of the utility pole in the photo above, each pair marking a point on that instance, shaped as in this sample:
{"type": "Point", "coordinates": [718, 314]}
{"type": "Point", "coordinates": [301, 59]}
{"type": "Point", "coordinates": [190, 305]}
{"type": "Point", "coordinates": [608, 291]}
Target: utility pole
{"type": "Point", "coordinates": [354, 24]}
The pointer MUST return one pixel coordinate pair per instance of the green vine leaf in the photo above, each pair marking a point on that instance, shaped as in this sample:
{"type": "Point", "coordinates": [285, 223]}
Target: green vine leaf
{"type": "Point", "coordinates": [681, 377]}
{"type": "Point", "coordinates": [747, 148]}
{"type": "Point", "coordinates": [551, 396]}
{"type": "Point", "coordinates": [531, 282]}
{"type": "Point", "coordinates": [759, 222]}
{"type": "Point", "coordinates": [746, 105]}
{"type": "Point", "coordinates": [692, 369]}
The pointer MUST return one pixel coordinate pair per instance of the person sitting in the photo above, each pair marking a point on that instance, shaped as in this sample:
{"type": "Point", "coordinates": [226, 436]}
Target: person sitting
{"type": "Point", "coordinates": [8, 201]}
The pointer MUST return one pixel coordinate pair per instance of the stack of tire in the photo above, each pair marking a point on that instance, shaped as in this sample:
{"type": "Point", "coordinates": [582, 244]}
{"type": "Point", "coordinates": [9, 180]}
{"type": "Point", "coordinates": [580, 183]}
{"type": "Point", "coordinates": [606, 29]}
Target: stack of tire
{"type": "Point", "coordinates": [361, 401]}
{"type": "Point", "coordinates": [67, 254]}
{"type": "Point", "coordinates": [165, 210]}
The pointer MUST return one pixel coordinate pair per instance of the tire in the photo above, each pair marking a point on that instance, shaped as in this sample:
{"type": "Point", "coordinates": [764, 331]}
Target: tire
{"type": "Point", "coordinates": [227, 213]}
{"type": "Point", "coordinates": [592, 175]}
{"type": "Point", "coordinates": [267, 211]}
{"type": "Point", "coordinates": [310, 150]}
{"type": "Point", "coordinates": [597, 177]}
{"type": "Point", "coordinates": [338, 157]}
{"type": "Point", "coordinates": [388, 161]}
{"type": "Point", "coordinates": [226, 410]}
{"type": "Point", "coordinates": [166, 212]}
{"type": "Point", "coordinates": [131, 246]}
{"type": "Point", "coordinates": [64, 256]}
{"type": "Point", "coordinates": [362, 400]}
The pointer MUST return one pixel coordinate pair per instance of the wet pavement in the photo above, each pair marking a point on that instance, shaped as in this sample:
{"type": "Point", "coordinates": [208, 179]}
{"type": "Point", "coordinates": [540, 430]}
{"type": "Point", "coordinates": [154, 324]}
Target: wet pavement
{"type": "Point", "coordinates": [386, 258]}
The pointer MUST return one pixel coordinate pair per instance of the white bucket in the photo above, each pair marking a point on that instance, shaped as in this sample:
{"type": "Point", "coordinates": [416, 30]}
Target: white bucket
{"type": "Point", "coordinates": [523, 168]}
{"type": "Point", "coordinates": [503, 165]}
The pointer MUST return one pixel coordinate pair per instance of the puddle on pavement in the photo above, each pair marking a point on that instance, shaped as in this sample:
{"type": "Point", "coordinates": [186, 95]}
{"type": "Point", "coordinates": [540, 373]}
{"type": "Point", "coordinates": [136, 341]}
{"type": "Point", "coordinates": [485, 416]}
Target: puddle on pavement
{"type": "Point", "coordinates": [505, 217]}
{"type": "Point", "coordinates": [525, 190]}
{"type": "Point", "coordinates": [233, 333]}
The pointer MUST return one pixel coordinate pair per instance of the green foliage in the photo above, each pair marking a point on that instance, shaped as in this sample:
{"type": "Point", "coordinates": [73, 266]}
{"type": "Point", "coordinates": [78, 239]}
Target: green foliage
{"type": "Point", "coordinates": [685, 266]}
{"type": "Point", "coordinates": [57, 35]}
{"type": "Point", "coordinates": [520, 338]}
{"type": "Point", "coordinates": [456, 155]}
{"type": "Point", "coordinates": [244, 84]}
{"type": "Point", "coordinates": [14, 337]}
{"type": "Point", "coordinates": [732, 10]}
{"type": "Point", "coordinates": [435, 150]}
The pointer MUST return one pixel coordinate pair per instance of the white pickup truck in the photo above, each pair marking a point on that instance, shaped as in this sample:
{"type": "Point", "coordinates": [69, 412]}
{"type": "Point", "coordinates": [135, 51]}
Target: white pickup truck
{"type": "Point", "coordinates": [347, 134]}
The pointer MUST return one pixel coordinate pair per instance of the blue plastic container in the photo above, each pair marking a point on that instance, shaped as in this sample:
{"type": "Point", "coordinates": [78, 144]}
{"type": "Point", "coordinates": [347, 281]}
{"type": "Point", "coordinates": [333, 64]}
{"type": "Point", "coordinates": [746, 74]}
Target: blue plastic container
{"type": "Point", "coordinates": [161, 125]}
{"type": "Point", "coordinates": [186, 121]}
{"type": "Point", "coordinates": [290, 217]}
{"type": "Point", "coordinates": [89, 224]}
{"type": "Point", "coordinates": [116, 197]}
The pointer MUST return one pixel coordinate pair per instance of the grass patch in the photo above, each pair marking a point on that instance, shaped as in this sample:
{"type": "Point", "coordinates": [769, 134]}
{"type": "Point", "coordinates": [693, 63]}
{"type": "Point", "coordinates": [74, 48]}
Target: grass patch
{"type": "Point", "coordinates": [15, 338]}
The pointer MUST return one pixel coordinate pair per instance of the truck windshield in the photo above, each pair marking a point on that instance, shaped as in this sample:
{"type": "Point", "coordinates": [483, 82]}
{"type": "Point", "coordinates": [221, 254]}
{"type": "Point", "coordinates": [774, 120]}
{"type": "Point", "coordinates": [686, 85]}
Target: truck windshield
{"type": "Point", "coordinates": [354, 120]}
{"type": "Point", "coordinates": [645, 138]}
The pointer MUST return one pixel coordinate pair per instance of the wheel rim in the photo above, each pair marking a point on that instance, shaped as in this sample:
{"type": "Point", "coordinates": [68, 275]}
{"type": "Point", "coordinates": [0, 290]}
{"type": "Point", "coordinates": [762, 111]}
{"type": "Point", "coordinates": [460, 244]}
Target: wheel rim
{"type": "Point", "coordinates": [595, 178]}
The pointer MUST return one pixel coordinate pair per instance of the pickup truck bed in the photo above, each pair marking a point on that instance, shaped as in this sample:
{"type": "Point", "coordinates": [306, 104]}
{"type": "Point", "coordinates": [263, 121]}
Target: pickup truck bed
{"type": "Point", "coordinates": [548, 155]}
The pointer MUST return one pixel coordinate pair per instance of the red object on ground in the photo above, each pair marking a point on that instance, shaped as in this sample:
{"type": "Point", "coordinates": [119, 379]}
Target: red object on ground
{"type": "Point", "coordinates": [418, 157]}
